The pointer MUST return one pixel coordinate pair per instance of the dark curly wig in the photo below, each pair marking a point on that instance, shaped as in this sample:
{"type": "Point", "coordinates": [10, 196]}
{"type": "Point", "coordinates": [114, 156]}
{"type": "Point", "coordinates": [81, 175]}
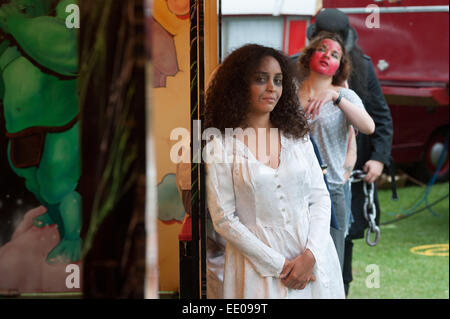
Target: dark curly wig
{"type": "Point", "coordinates": [345, 67]}
{"type": "Point", "coordinates": [228, 95]}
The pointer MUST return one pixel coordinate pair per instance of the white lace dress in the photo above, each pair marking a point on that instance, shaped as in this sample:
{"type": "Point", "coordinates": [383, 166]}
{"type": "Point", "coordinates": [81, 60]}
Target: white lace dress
{"type": "Point", "coordinates": [267, 215]}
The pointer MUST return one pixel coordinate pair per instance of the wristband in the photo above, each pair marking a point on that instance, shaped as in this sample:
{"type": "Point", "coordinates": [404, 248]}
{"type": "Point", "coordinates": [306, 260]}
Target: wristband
{"type": "Point", "coordinates": [338, 100]}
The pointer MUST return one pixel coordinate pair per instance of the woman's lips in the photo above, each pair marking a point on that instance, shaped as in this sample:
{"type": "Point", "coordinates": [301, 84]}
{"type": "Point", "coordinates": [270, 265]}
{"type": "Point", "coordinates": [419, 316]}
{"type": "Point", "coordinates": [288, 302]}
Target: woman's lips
{"type": "Point", "coordinates": [324, 63]}
{"type": "Point", "coordinates": [269, 99]}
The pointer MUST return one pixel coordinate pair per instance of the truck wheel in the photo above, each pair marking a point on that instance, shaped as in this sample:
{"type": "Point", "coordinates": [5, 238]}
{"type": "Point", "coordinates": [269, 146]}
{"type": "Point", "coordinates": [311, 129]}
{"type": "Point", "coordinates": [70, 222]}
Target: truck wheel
{"type": "Point", "coordinates": [430, 160]}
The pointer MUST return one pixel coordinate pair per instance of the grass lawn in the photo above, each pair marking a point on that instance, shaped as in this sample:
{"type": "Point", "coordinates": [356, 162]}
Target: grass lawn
{"type": "Point", "coordinates": [402, 273]}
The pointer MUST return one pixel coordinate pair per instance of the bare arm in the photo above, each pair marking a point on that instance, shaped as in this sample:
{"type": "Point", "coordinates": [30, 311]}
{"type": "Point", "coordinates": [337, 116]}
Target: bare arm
{"type": "Point", "coordinates": [358, 116]}
{"type": "Point", "coordinates": [350, 157]}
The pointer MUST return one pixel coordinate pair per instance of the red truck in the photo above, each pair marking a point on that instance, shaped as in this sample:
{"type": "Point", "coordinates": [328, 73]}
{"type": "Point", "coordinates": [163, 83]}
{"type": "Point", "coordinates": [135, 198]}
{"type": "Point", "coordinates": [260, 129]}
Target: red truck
{"type": "Point", "coordinates": [408, 42]}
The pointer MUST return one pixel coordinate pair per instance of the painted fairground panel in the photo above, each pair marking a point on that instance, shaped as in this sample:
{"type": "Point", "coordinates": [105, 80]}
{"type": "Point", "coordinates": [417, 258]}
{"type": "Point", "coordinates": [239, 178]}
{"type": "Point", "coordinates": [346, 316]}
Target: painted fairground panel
{"type": "Point", "coordinates": [171, 117]}
{"type": "Point", "coordinates": [170, 91]}
{"type": "Point", "coordinates": [40, 164]}
{"type": "Point", "coordinates": [72, 148]}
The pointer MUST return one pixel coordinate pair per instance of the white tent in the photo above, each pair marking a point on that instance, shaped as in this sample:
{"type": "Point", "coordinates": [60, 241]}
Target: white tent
{"type": "Point", "coordinates": [271, 7]}
{"type": "Point", "coordinates": [267, 22]}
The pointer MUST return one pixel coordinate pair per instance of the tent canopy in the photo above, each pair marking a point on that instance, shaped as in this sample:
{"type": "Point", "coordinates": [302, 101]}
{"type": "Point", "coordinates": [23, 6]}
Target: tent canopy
{"type": "Point", "coordinates": [271, 7]}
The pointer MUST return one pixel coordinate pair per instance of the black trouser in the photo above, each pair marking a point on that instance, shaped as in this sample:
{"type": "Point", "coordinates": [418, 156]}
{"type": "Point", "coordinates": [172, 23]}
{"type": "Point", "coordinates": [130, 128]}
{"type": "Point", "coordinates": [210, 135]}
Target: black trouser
{"type": "Point", "coordinates": [357, 228]}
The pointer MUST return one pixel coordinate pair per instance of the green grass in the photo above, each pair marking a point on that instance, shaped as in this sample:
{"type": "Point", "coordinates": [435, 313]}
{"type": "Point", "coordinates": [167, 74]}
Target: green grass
{"type": "Point", "coordinates": [403, 274]}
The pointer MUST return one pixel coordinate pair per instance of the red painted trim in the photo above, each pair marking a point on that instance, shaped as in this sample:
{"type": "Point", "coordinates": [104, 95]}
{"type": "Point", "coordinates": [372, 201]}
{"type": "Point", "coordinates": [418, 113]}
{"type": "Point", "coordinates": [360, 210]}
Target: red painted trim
{"type": "Point", "coordinates": [297, 35]}
{"type": "Point", "coordinates": [170, 222]}
{"type": "Point", "coordinates": [397, 3]}
{"type": "Point", "coordinates": [183, 17]}
{"type": "Point", "coordinates": [440, 95]}
{"type": "Point", "coordinates": [186, 230]}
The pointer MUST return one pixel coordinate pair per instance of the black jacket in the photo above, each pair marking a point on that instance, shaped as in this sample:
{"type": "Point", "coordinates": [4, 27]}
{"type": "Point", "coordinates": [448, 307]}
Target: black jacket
{"type": "Point", "coordinates": [378, 145]}
{"type": "Point", "coordinates": [370, 147]}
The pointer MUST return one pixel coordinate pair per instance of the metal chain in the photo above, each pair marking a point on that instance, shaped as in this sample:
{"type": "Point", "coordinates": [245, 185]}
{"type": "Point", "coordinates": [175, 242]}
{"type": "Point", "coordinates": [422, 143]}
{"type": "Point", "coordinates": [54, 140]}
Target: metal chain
{"type": "Point", "coordinates": [369, 208]}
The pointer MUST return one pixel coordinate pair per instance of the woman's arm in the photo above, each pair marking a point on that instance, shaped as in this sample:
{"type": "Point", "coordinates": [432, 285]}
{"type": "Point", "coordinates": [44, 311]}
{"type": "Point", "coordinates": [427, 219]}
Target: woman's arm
{"type": "Point", "coordinates": [357, 116]}
{"type": "Point", "coordinates": [319, 205]}
{"type": "Point", "coordinates": [221, 204]}
{"type": "Point", "coordinates": [350, 156]}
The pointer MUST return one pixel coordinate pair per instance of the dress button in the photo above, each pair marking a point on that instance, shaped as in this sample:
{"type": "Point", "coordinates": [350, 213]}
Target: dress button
{"type": "Point", "coordinates": [281, 197]}
{"type": "Point", "coordinates": [276, 175]}
{"type": "Point", "coordinates": [283, 210]}
{"type": "Point", "coordinates": [278, 186]}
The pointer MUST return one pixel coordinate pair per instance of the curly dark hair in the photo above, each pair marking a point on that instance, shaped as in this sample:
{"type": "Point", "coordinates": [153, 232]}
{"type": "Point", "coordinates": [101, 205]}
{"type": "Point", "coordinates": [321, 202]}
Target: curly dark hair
{"type": "Point", "coordinates": [228, 95]}
{"type": "Point", "coordinates": [345, 66]}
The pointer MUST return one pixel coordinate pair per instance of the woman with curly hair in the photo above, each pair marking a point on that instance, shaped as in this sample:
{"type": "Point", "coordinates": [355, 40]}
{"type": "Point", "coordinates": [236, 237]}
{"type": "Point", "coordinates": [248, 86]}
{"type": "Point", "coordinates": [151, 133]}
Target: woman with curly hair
{"type": "Point", "coordinates": [272, 209]}
{"type": "Point", "coordinates": [332, 109]}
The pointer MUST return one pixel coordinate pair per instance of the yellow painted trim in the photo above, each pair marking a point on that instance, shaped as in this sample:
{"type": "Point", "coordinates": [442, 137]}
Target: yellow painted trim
{"type": "Point", "coordinates": [211, 38]}
{"type": "Point", "coordinates": [167, 19]}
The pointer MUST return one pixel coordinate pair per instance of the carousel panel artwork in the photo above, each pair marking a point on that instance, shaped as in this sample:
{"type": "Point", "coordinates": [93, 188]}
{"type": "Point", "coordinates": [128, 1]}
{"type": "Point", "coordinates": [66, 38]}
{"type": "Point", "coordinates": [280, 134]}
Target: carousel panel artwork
{"type": "Point", "coordinates": [40, 150]}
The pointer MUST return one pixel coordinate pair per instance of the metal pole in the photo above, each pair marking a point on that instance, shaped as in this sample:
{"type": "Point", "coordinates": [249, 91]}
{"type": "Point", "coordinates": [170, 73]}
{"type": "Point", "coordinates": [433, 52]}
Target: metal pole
{"type": "Point", "coordinates": [220, 31]}
{"type": "Point", "coordinates": [201, 102]}
{"type": "Point", "coordinates": [194, 156]}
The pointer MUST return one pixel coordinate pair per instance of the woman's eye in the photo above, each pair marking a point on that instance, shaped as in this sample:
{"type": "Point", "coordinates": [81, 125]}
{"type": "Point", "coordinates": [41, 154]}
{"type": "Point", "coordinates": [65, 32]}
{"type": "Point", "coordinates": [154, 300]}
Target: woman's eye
{"type": "Point", "coordinates": [278, 82]}
{"type": "Point", "coordinates": [260, 79]}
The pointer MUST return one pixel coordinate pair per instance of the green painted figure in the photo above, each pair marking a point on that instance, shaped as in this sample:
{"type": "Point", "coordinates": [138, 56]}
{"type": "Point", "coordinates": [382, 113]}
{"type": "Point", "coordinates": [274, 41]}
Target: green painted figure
{"type": "Point", "coordinates": [38, 86]}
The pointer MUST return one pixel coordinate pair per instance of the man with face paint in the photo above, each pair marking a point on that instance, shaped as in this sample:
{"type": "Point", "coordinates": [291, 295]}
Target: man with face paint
{"type": "Point", "coordinates": [374, 151]}
{"type": "Point", "coordinates": [332, 111]}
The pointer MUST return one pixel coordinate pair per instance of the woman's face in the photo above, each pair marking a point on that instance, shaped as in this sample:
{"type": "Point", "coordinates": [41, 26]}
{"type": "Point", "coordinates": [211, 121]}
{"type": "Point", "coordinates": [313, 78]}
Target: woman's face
{"type": "Point", "coordinates": [326, 59]}
{"type": "Point", "coordinates": [266, 86]}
